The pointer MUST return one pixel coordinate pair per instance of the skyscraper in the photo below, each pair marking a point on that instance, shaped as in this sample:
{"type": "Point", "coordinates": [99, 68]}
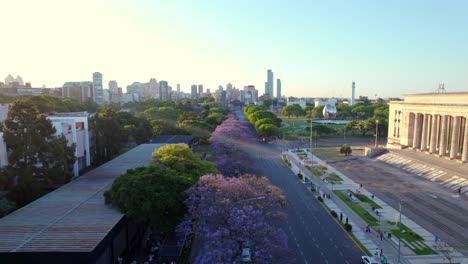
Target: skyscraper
{"type": "Point", "coordinates": [269, 88]}
{"type": "Point", "coordinates": [163, 90]}
{"type": "Point", "coordinates": [98, 93]}
{"type": "Point", "coordinates": [113, 92]}
{"type": "Point", "coordinates": [200, 89]}
{"type": "Point", "coordinates": [193, 93]}
{"type": "Point", "coordinates": [278, 88]}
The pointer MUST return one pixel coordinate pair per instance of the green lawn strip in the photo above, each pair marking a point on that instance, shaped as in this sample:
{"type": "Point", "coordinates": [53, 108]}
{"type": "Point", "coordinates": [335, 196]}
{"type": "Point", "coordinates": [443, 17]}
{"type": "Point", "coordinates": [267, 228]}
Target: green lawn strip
{"type": "Point", "coordinates": [366, 199]}
{"type": "Point", "coordinates": [333, 178]}
{"type": "Point", "coordinates": [314, 171]}
{"type": "Point", "coordinates": [357, 209]}
{"type": "Point", "coordinates": [408, 235]}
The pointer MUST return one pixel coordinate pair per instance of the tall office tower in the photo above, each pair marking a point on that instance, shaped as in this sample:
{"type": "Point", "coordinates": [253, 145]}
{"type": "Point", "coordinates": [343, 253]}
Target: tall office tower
{"type": "Point", "coordinates": [270, 83]}
{"type": "Point", "coordinates": [153, 89]}
{"type": "Point", "coordinates": [220, 88]}
{"type": "Point", "coordinates": [98, 94]}
{"type": "Point", "coordinates": [194, 94]}
{"type": "Point", "coordinates": [352, 93]}
{"type": "Point", "coordinates": [113, 92]}
{"type": "Point", "coordinates": [208, 91]}
{"type": "Point", "coordinates": [266, 88]}
{"type": "Point", "coordinates": [178, 87]}
{"type": "Point", "coordinates": [278, 88]}
{"type": "Point", "coordinates": [163, 90]}
{"type": "Point", "coordinates": [229, 87]}
{"type": "Point", "coordinates": [200, 89]}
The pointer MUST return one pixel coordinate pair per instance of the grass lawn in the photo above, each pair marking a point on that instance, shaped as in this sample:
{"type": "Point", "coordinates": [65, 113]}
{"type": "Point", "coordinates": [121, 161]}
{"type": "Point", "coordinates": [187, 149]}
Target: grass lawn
{"type": "Point", "coordinates": [408, 235]}
{"type": "Point", "coordinates": [333, 178]}
{"type": "Point", "coordinates": [327, 153]}
{"type": "Point", "coordinates": [366, 199]}
{"type": "Point", "coordinates": [314, 171]}
{"type": "Point", "coordinates": [358, 209]}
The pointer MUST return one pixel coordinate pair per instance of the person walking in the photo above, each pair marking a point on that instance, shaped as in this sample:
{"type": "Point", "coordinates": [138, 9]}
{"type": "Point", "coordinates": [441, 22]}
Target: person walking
{"type": "Point", "coordinates": [381, 236]}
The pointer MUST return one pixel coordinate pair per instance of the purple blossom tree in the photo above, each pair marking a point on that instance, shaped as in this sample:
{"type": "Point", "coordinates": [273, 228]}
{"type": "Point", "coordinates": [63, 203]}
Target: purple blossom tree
{"type": "Point", "coordinates": [226, 212]}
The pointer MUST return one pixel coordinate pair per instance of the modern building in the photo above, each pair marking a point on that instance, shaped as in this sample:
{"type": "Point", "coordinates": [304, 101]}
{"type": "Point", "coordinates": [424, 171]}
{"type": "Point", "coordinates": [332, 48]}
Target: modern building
{"type": "Point", "coordinates": [81, 91]}
{"type": "Point", "coordinates": [278, 88]}
{"type": "Point", "coordinates": [435, 123]}
{"type": "Point", "coordinates": [194, 94]}
{"type": "Point", "coordinates": [269, 84]}
{"type": "Point", "coordinates": [73, 224]}
{"type": "Point", "coordinates": [113, 92]}
{"type": "Point", "coordinates": [98, 94]}
{"type": "Point", "coordinates": [163, 90]}
{"type": "Point", "coordinates": [200, 89]}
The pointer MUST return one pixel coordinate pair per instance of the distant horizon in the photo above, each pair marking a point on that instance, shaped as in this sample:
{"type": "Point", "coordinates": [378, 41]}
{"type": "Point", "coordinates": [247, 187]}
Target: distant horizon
{"type": "Point", "coordinates": [317, 49]}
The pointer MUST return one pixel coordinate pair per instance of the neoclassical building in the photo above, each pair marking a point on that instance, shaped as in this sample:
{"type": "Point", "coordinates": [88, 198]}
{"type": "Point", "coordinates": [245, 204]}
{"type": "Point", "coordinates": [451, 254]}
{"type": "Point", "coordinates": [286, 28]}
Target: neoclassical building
{"type": "Point", "coordinates": [433, 123]}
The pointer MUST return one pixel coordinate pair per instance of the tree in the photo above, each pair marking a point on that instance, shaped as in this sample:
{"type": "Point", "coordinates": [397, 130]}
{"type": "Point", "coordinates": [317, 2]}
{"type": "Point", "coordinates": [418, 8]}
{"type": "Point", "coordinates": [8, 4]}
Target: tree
{"type": "Point", "coordinates": [226, 212]}
{"type": "Point", "coordinates": [364, 126]}
{"type": "Point", "coordinates": [150, 196]}
{"type": "Point", "coordinates": [317, 112]}
{"type": "Point", "coordinates": [267, 130]}
{"type": "Point", "coordinates": [109, 134]}
{"type": "Point", "coordinates": [36, 156]}
{"type": "Point", "coordinates": [181, 159]}
{"type": "Point", "coordinates": [346, 150]}
{"type": "Point", "coordinates": [293, 109]}
{"type": "Point", "coordinates": [6, 206]}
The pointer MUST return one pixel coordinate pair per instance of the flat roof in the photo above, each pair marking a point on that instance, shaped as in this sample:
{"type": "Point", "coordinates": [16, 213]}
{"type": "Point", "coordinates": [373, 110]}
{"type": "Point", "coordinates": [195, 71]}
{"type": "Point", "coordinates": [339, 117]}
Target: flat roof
{"type": "Point", "coordinates": [74, 217]}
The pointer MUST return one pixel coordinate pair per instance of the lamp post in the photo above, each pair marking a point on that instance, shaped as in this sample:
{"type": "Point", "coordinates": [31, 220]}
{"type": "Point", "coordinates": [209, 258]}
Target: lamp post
{"type": "Point", "coordinates": [399, 231]}
{"type": "Point", "coordinates": [376, 131]}
{"type": "Point", "coordinates": [310, 143]}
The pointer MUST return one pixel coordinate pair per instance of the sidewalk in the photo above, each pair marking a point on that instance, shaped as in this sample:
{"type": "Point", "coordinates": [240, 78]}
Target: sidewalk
{"type": "Point", "coordinates": [387, 213]}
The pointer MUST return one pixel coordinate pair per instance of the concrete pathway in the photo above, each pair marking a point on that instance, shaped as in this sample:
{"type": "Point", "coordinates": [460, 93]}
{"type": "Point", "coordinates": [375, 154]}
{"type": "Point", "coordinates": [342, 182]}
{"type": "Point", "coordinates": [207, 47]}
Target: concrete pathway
{"type": "Point", "coordinates": [370, 240]}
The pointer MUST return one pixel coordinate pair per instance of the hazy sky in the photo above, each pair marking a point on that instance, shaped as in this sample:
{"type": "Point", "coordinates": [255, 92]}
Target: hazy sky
{"type": "Point", "coordinates": [317, 48]}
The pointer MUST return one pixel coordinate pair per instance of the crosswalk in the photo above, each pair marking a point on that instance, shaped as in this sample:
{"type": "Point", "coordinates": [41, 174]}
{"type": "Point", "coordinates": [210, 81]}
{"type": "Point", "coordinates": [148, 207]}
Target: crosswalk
{"type": "Point", "coordinates": [428, 172]}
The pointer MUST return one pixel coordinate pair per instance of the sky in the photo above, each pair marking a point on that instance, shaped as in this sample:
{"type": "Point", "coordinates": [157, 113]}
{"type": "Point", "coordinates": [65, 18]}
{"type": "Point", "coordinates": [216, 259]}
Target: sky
{"type": "Point", "coordinates": [316, 48]}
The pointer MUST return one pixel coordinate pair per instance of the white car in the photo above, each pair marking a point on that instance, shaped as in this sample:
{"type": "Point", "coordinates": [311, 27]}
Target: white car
{"type": "Point", "coordinates": [368, 260]}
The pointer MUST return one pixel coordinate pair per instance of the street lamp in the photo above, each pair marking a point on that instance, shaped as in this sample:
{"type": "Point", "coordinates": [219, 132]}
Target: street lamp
{"type": "Point", "coordinates": [310, 143]}
{"type": "Point", "coordinates": [399, 230]}
{"type": "Point", "coordinates": [376, 131]}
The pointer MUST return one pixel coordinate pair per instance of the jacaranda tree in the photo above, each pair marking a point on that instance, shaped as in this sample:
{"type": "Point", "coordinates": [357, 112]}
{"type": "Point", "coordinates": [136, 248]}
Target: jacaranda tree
{"type": "Point", "coordinates": [227, 213]}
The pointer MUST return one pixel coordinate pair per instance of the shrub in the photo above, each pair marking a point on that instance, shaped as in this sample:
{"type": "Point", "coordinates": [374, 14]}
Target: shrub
{"type": "Point", "coordinates": [334, 214]}
{"type": "Point", "coordinates": [300, 175]}
{"type": "Point", "coordinates": [348, 227]}
{"type": "Point", "coordinates": [320, 199]}
{"type": "Point", "coordinates": [321, 167]}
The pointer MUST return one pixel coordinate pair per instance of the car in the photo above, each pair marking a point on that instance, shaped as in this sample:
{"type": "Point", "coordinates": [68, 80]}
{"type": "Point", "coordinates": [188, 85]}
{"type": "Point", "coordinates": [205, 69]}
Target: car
{"type": "Point", "coordinates": [368, 260]}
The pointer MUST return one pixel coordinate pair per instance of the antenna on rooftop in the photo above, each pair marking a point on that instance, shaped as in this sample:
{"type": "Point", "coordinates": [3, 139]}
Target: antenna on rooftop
{"type": "Point", "coordinates": [441, 88]}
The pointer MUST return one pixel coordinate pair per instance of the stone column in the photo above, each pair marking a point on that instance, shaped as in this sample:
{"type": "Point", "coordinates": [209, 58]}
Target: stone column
{"type": "Point", "coordinates": [432, 147]}
{"type": "Point", "coordinates": [443, 136]}
{"type": "Point", "coordinates": [465, 143]}
{"type": "Point", "coordinates": [417, 130]}
{"type": "Point", "coordinates": [454, 145]}
{"type": "Point", "coordinates": [424, 132]}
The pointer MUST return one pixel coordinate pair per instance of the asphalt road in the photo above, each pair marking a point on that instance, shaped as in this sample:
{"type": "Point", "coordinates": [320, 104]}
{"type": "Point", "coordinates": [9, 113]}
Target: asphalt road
{"type": "Point", "coordinates": [435, 208]}
{"type": "Point", "coordinates": [313, 234]}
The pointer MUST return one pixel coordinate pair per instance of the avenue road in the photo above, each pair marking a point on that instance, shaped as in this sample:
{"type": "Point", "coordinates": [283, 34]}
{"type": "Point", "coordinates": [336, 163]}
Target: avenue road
{"type": "Point", "coordinates": [313, 234]}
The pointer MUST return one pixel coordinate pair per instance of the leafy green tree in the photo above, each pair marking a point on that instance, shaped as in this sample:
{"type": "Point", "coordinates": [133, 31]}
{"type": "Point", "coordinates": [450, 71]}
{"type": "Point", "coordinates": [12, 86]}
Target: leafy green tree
{"type": "Point", "coordinates": [6, 206]}
{"type": "Point", "coordinates": [294, 109]}
{"type": "Point", "coordinates": [108, 134]}
{"type": "Point", "coordinates": [321, 129]}
{"type": "Point", "coordinates": [197, 128]}
{"type": "Point", "coordinates": [36, 156]}
{"type": "Point", "coordinates": [150, 196]}
{"type": "Point", "coordinates": [364, 126]}
{"type": "Point", "coordinates": [267, 103]}
{"type": "Point", "coordinates": [180, 158]}
{"type": "Point", "coordinates": [317, 112]}
{"type": "Point", "coordinates": [267, 130]}
{"type": "Point", "coordinates": [346, 150]}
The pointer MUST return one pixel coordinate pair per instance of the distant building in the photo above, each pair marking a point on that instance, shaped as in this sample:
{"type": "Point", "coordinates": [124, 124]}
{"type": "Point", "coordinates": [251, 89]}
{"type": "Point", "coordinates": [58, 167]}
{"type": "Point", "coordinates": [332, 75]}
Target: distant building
{"type": "Point", "coordinates": [294, 100]}
{"type": "Point", "coordinates": [163, 90]}
{"type": "Point", "coordinates": [11, 80]}
{"type": "Point", "coordinates": [178, 87]}
{"type": "Point", "coordinates": [135, 88]}
{"type": "Point", "coordinates": [81, 91]}
{"type": "Point", "coordinates": [194, 94]}
{"type": "Point", "coordinates": [278, 88]}
{"type": "Point", "coordinates": [200, 89]}
{"type": "Point", "coordinates": [98, 94]}
{"type": "Point", "coordinates": [269, 84]}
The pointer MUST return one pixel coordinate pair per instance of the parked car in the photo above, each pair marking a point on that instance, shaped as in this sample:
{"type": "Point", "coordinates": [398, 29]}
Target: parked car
{"type": "Point", "coordinates": [368, 260]}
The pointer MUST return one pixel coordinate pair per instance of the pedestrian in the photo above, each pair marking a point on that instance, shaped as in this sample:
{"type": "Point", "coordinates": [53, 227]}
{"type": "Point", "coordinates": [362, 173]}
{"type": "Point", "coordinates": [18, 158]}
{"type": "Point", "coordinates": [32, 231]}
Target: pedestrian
{"type": "Point", "coordinates": [367, 229]}
{"type": "Point", "coordinates": [381, 252]}
{"type": "Point", "coordinates": [373, 196]}
{"type": "Point", "coordinates": [346, 220]}
{"type": "Point", "coordinates": [378, 236]}
{"type": "Point", "coordinates": [381, 236]}
{"type": "Point", "coordinates": [459, 190]}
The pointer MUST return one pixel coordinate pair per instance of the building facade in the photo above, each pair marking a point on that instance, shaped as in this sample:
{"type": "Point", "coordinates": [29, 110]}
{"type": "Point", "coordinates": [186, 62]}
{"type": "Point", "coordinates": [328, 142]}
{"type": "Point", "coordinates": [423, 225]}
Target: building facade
{"type": "Point", "coordinates": [278, 88]}
{"type": "Point", "coordinates": [269, 84]}
{"type": "Point", "coordinates": [81, 91]}
{"type": "Point", "coordinates": [435, 123]}
{"type": "Point", "coordinates": [163, 90]}
{"type": "Point", "coordinates": [98, 93]}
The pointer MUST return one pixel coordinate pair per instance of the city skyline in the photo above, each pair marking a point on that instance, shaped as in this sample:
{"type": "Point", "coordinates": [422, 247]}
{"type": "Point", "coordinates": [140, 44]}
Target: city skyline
{"type": "Point", "coordinates": [389, 49]}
